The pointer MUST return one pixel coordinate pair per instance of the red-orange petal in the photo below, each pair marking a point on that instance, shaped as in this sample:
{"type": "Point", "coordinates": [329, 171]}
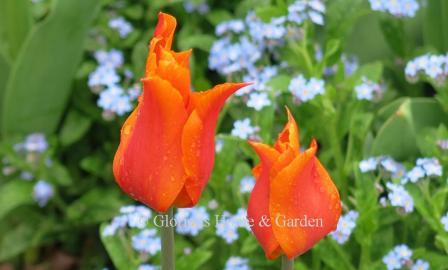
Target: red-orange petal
{"type": "Point", "coordinates": [258, 206]}
{"type": "Point", "coordinates": [289, 136]}
{"type": "Point", "coordinates": [165, 28]}
{"type": "Point", "coordinates": [302, 190]}
{"type": "Point", "coordinates": [198, 136]}
{"type": "Point", "coordinates": [169, 69]}
{"type": "Point", "coordinates": [150, 168]}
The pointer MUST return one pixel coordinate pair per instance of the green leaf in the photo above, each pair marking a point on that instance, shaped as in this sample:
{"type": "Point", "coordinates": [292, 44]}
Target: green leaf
{"type": "Point", "coordinates": [217, 16]}
{"type": "Point", "coordinates": [40, 80]}
{"type": "Point", "coordinates": [266, 13]}
{"type": "Point", "coordinates": [119, 249]}
{"type": "Point", "coordinates": [280, 83]}
{"type": "Point", "coordinates": [4, 73]}
{"type": "Point", "coordinates": [97, 205]}
{"type": "Point", "coordinates": [436, 260]}
{"type": "Point", "coordinates": [75, 126]}
{"type": "Point", "coordinates": [15, 23]}
{"type": "Point", "coordinates": [13, 194]}
{"type": "Point", "coordinates": [199, 41]}
{"type": "Point", "coordinates": [29, 233]}
{"type": "Point", "coordinates": [395, 36]}
{"type": "Point", "coordinates": [194, 261]}
{"type": "Point", "coordinates": [398, 135]}
{"type": "Point", "coordinates": [436, 25]}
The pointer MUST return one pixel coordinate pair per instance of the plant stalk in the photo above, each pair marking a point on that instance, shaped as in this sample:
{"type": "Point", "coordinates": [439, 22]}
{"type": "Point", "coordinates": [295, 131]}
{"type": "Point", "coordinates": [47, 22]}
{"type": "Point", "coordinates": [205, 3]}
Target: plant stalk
{"type": "Point", "coordinates": [287, 264]}
{"type": "Point", "coordinates": [167, 235]}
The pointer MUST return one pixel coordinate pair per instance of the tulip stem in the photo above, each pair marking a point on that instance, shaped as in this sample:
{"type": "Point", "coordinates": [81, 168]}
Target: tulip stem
{"type": "Point", "coordinates": [287, 264]}
{"type": "Point", "coordinates": [167, 234]}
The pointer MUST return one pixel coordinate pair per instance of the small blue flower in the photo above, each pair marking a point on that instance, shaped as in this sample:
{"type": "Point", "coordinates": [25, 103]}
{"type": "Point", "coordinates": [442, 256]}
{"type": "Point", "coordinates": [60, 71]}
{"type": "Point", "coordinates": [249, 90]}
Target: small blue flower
{"type": "Point", "coordinates": [306, 90]}
{"type": "Point", "coordinates": [367, 89]}
{"type": "Point", "coordinates": [243, 129]}
{"type": "Point", "coordinates": [237, 263]}
{"type": "Point", "coordinates": [247, 184]}
{"type": "Point", "coordinates": [392, 261]}
{"type": "Point", "coordinates": [35, 142]}
{"type": "Point", "coordinates": [443, 144]}
{"type": "Point", "coordinates": [232, 26]}
{"type": "Point", "coordinates": [431, 166]}
{"type": "Point", "coordinates": [399, 197]}
{"type": "Point", "coordinates": [432, 66]}
{"type": "Point", "coordinates": [43, 192]}
{"type": "Point", "coordinates": [147, 242]}
{"type": "Point", "coordinates": [121, 25]}
{"type": "Point", "coordinates": [368, 165]}
{"type": "Point", "coordinates": [148, 267]}
{"type": "Point", "coordinates": [112, 59]}
{"type": "Point", "coordinates": [345, 227]}
{"type": "Point", "coordinates": [396, 169]}
{"type": "Point", "coordinates": [301, 10]}
{"type": "Point", "coordinates": [399, 8]}
{"type": "Point", "coordinates": [420, 265]}
{"type": "Point", "coordinates": [444, 221]}
{"type": "Point", "coordinates": [122, 105]}
{"type": "Point", "coordinates": [258, 101]}
{"type": "Point", "coordinates": [191, 221]}
{"type": "Point", "coordinates": [415, 174]}
{"type": "Point", "coordinates": [27, 176]}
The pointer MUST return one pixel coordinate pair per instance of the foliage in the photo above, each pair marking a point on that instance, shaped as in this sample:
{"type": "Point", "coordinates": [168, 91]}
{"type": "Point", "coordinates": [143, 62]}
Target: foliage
{"type": "Point", "coordinates": [346, 73]}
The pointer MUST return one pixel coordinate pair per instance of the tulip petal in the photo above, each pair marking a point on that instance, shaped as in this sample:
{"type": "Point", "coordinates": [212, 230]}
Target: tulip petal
{"type": "Point", "coordinates": [166, 25]}
{"type": "Point", "coordinates": [289, 137]}
{"type": "Point", "coordinates": [170, 70]}
{"type": "Point", "coordinates": [150, 169]}
{"type": "Point", "coordinates": [258, 206]}
{"type": "Point", "coordinates": [191, 149]}
{"type": "Point", "coordinates": [200, 130]}
{"type": "Point", "coordinates": [303, 190]}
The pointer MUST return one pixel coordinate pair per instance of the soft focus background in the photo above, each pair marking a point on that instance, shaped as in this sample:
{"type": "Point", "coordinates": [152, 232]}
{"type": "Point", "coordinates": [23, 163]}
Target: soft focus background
{"type": "Point", "coordinates": [367, 79]}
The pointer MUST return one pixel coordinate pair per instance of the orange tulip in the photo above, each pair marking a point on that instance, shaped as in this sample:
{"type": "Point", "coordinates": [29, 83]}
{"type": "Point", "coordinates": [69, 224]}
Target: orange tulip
{"type": "Point", "coordinates": [167, 148]}
{"type": "Point", "coordinates": [294, 203]}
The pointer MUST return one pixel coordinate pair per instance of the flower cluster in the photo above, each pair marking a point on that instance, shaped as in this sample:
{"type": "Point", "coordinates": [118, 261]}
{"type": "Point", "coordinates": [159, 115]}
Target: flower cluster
{"type": "Point", "coordinates": [191, 221]}
{"type": "Point", "coordinates": [247, 184]}
{"type": "Point", "coordinates": [228, 225]}
{"type": "Point", "coordinates": [147, 241]}
{"type": "Point", "coordinates": [433, 66]}
{"type": "Point", "coordinates": [401, 256]}
{"type": "Point", "coordinates": [237, 263]}
{"type": "Point", "coordinates": [243, 129]}
{"type": "Point", "coordinates": [243, 42]}
{"type": "Point", "coordinates": [425, 167]}
{"type": "Point", "coordinates": [346, 225]}
{"type": "Point", "coordinates": [131, 216]}
{"type": "Point", "coordinates": [399, 197]}
{"type": "Point", "coordinates": [305, 90]}
{"type": "Point", "coordinates": [368, 90]}
{"type": "Point", "coordinates": [123, 27]}
{"type": "Point", "coordinates": [387, 164]}
{"type": "Point", "coordinates": [105, 79]}
{"type": "Point", "coordinates": [398, 8]}
{"type": "Point", "coordinates": [302, 10]}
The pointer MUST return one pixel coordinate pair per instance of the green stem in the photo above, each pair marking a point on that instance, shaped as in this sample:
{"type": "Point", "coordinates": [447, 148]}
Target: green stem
{"type": "Point", "coordinates": [287, 264]}
{"type": "Point", "coordinates": [167, 233]}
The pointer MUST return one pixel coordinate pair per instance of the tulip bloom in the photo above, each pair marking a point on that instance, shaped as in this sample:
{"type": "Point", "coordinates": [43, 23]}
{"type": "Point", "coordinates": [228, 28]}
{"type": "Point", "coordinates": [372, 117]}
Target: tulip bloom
{"type": "Point", "coordinates": [167, 148]}
{"type": "Point", "coordinates": [294, 203]}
